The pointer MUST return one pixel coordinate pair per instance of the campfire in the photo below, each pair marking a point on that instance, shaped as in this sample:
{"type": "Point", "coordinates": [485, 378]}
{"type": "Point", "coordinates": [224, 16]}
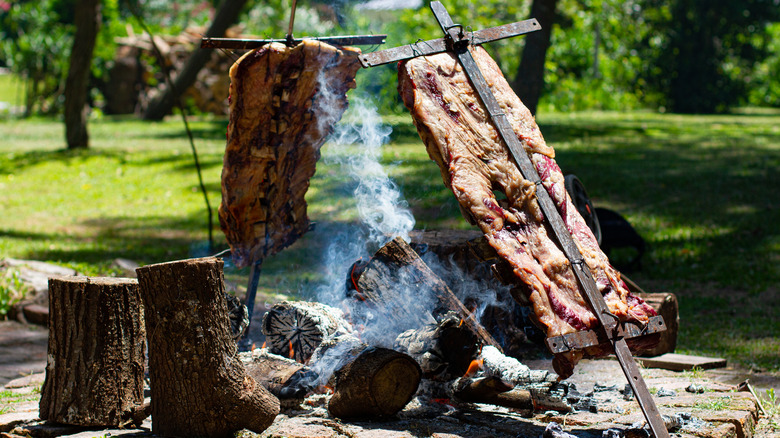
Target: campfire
{"type": "Point", "coordinates": [430, 318]}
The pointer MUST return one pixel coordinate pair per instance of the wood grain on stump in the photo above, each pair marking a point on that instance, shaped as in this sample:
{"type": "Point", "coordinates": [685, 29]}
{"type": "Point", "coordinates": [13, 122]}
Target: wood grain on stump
{"type": "Point", "coordinates": [199, 385]}
{"type": "Point", "coordinates": [95, 366]}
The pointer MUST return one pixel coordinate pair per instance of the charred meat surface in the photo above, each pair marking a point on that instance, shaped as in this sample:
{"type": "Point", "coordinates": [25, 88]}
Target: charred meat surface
{"type": "Point", "coordinates": [284, 102]}
{"type": "Point", "coordinates": [476, 164]}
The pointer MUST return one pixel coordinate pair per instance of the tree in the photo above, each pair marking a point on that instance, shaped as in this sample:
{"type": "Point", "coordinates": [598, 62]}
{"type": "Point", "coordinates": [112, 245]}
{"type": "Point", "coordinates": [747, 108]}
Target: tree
{"type": "Point", "coordinates": [226, 15]}
{"type": "Point", "coordinates": [703, 51]}
{"type": "Point", "coordinates": [87, 21]}
{"type": "Point", "coordinates": [529, 81]}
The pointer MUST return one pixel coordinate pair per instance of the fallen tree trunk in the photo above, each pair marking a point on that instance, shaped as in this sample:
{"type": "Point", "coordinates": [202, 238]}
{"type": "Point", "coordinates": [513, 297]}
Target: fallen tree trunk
{"type": "Point", "coordinates": [96, 347]}
{"type": "Point", "coordinates": [378, 383]}
{"type": "Point", "coordinates": [199, 385]}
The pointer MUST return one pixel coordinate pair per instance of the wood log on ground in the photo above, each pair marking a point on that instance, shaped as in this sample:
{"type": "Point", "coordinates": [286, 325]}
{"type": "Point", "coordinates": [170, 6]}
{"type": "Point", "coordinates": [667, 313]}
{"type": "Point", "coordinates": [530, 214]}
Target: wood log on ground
{"type": "Point", "coordinates": [443, 351]}
{"type": "Point", "coordinates": [393, 271]}
{"type": "Point", "coordinates": [95, 366]}
{"type": "Point", "coordinates": [494, 391]}
{"type": "Point", "coordinates": [285, 378]}
{"type": "Point", "coordinates": [377, 384]}
{"type": "Point", "coordinates": [199, 385]}
{"type": "Point", "coordinates": [666, 305]}
{"type": "Point", "coordinates": [295, 328]}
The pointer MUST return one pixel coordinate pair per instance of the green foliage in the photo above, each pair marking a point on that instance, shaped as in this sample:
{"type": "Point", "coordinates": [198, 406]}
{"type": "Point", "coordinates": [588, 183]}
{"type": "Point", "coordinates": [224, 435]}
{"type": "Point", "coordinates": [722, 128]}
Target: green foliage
{"type": "Point", "coordinates": [34, 42]}
{"type": "Point", "coordinates": [12, 289]}
{"type": "Point", "coordinates": [701, 54]}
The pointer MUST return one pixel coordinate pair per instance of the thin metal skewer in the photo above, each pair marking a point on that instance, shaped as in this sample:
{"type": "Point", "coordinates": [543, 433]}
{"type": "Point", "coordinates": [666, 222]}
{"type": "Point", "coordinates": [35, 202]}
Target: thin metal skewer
{"type": "Point", "coordinates": [292, 21]}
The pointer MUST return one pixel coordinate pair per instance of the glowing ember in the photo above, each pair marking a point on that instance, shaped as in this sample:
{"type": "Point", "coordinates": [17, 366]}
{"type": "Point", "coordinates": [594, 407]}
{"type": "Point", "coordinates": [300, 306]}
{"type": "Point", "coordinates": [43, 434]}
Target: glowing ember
{"type": "Point", "coordinates": [474, 367]}
{"type": "Point", "coordinates": [264, 342]}
{"type": "Point", "coordinates": [292, 352]}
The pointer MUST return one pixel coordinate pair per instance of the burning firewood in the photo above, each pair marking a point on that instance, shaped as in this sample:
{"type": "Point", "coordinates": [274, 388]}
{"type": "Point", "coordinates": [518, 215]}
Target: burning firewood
{"type": "Point", "coordinates": [378, 383]}
{"type": "Point", "coordinates": [198, 383]}
{"type": "Point", "coordinates": [295, 329]}
{"type": "Point", "coordinates": [443, 351]}
{"type": "Point", "coordinates": [287, 379]}
{"type": "Point", "coordinates": [96, 346]}
{"type": "Point", "coordinates": [396, 268]}
{"type": "Point", "coordinates": [492, 390]}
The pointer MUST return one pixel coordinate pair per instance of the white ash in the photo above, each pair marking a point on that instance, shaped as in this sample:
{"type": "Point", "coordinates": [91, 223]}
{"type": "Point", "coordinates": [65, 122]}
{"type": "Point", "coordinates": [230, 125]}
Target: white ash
{"type": "Point", "coordinates": [509, 369]}
{"type": "Point", "coordinates": [248, 357]}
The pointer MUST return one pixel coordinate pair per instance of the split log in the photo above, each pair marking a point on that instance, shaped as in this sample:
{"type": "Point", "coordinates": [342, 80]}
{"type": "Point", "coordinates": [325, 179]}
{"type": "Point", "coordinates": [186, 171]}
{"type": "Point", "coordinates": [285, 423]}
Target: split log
{"type": "Point", "coordinates": [295, 329]}
{"type": "Point", "coordinates": [666, 305]}
{"type": "Point", "coordinates": [285, 378]}
{"type": "Point", "coordinates": [377, 384]}
{"type": "Point", "coordinates": [199, 385]}
{"type": "Point", "coordinates": [494, 391]}
{"type": "Point", "coordinates": [397, 280]}
{"type": "Point", "coordinates": [443, 351]}
{"type": "Point", "coordinates": [95, 366]}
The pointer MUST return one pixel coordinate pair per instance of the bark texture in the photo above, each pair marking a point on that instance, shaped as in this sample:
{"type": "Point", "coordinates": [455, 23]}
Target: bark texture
{"type": "Point", "coordinates": [378, 383]}
{"type": "Point", "coordinates": [87, 21]}
{"type": "Point", "coordinates": [394, 271]}
{"type": "Point", "coordinates": [95, 366]}
{"type": "Point", "coordinates": [529, 82]}
{"type": "Point", "coordinates": [199, 385]}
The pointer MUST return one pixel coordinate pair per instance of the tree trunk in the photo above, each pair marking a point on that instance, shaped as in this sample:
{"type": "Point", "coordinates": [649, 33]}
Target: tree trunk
{"type": "Point", "coordinates": [199, 385]}
{"type": "Point", "coordinates": [95, 366]}
{"type": "Point", "coordinates": [87, 20]}
{"type": "Point", "coordinates": [529, 82]}
{"type": "Point", "coordinates": [378, 383]}
{"type": "Point", "coordinates": [226, 15]}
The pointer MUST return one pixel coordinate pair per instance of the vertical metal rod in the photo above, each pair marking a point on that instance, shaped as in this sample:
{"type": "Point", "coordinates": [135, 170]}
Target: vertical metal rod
{"type": "Point", "coordinates": [244, 344]}
{"type": "Point", "coordinates": [292, 21]}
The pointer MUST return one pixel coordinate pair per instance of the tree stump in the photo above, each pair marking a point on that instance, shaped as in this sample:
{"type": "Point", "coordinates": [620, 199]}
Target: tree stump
{"type": "Point", "coordinates": [95, 366]}
{"type": "Point", "coordinates": [378, 383]}
{"type": "Point", "coordinates": [199, 385]}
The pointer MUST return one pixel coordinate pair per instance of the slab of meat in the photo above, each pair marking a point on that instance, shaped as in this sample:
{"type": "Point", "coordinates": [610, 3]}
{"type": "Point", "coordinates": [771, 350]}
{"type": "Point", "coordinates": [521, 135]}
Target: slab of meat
{"type": "Point", "coordinates": [476, 165]}
{"type": "Point", "coordinates": [284, 102]}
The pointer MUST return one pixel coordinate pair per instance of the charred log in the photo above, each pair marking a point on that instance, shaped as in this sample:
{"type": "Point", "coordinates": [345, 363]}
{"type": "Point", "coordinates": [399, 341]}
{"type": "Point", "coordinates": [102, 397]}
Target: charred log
{"type": "Point", "coordinates": [294, 329]}
{"type": "Point", "coordinates": [198, 383]}
{"type": "Point", "coordinates": [377, 384]}
{"type": "Point", "coordinates": [285, 378]}
{"type": "Point", "coordinates": [392, 272]}
{"type": "Point", "coordinates": [443, 351]}
{"type": "Point", "coordinates": [492, 390]}
{"type": "Point", "coordinates": [96, 346]}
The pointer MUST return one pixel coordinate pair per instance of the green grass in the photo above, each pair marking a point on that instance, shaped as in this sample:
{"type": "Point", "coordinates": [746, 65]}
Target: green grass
{"type": "Point", "coordinates": [702, 190]}
{"type": "Point", "coordinates": [10, 92]}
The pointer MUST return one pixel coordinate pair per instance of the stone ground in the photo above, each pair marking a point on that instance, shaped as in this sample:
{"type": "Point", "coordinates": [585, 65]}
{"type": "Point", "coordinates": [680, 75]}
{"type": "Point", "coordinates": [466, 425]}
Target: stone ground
{"type": "Point", "coordinates": [720, 411]}
{"type": "Point", "coordinates": [723, 411]}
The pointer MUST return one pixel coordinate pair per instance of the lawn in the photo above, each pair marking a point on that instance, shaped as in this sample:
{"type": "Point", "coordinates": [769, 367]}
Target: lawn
{"type": "Point", "coordinates": [702, 190]}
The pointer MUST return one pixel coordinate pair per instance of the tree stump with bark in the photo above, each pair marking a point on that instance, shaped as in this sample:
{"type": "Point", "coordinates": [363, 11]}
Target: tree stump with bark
{"type": "Point", "coordinates": [199, 385]}
{"type": "Point", "coordinates": [95, 366]}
